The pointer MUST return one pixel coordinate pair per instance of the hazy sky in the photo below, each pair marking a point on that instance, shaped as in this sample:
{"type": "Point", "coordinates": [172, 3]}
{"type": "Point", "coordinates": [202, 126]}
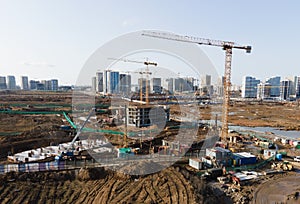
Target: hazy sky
{"type": "Point", "coordinates": [53, 39]}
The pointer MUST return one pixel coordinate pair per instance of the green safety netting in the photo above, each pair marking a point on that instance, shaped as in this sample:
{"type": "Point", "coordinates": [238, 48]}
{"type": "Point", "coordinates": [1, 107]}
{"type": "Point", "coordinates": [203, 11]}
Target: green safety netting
{"type": "Point", "coordinates": [10, 133]}
{"type": "Point", "coordinates": [54, 105]}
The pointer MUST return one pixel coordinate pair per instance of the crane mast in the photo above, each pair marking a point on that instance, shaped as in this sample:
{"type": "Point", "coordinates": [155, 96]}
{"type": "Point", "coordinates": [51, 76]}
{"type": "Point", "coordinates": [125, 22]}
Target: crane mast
{"type": "Point", "coordinates": [228, 47]}
{"type": "Point", "coordinates": [147, 72]}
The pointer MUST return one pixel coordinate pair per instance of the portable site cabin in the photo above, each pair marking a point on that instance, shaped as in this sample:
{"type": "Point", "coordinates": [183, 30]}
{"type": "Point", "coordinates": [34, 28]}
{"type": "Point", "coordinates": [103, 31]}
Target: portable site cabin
{"type": "Point", "coordinates": [269, 153]}
{"type": "Point", "coordinates": [221, 155]}
{"type": "Point", "coordinates": [285, 141]}
{"type": "Point", "coordinates": [244, 158]}
{"type": "Point", "coordinates": [196, 163]}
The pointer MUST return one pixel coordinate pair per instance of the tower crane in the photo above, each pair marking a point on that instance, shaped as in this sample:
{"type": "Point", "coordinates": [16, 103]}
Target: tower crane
{"type": "Point", "coordinates": [227, 46]}
{"type": "Point", "coordinates": [147, 72]}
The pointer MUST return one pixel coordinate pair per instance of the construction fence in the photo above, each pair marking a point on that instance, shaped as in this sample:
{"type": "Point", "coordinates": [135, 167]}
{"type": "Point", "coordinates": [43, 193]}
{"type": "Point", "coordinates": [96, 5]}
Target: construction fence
{"type": "Point", "coordinates": [251, 166]}
{"type": "Point", "coordinates": [43, 166]}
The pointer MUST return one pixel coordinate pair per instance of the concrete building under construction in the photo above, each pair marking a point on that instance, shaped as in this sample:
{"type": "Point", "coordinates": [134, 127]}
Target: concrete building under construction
{"type": "Point", "coordinates": [147, 115]}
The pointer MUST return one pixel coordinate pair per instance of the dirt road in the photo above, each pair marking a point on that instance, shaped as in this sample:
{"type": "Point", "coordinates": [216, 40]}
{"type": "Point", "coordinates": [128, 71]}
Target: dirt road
{"type": "Point", "coordinates": [278, 190]}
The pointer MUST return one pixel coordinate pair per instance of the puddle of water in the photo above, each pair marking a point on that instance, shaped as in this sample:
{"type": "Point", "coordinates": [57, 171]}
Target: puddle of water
{"type": "Point", "coordinates": [290, 134]}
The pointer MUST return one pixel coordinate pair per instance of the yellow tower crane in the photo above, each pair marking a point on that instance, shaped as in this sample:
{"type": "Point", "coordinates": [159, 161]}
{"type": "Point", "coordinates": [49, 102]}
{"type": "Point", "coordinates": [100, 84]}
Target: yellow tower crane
{"type": "Point", "coordinates": [227, 46]}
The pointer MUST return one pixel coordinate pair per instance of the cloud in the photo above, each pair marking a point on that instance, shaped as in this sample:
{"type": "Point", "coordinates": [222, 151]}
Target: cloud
{"type": "Point", "coordinates": [38, 64]}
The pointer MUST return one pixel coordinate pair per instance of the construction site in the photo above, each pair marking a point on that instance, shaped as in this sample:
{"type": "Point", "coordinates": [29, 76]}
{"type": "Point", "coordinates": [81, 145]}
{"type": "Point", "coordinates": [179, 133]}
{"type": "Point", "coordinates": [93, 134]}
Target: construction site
{"type": "Point", "coordinates": [144, 150]}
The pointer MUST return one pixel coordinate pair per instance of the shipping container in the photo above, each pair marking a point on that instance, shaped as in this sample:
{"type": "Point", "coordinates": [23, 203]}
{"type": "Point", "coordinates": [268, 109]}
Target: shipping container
{"type": "Point", "coordinates": [244, 158]}
{"type": "Point", "coordinates": [196, 163]}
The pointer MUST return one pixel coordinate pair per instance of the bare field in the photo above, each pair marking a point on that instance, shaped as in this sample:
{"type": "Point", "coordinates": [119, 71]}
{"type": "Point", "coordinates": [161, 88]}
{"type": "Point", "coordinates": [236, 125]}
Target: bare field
{"type": "Point", "coordinates": [173, 185]}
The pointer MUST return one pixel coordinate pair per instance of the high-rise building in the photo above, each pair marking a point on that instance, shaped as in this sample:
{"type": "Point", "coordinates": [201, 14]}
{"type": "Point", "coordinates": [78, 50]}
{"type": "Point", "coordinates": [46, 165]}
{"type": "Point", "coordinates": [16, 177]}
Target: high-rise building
{"type": "Point", "coordinates": [47, 85]}
{"type": "Point", "coordinates": [40, 86]}
{"type": "Point", "coordinates": [11, 82]}
{"type": "Point", "coordinates": [3, 82]}
{"type": "Point", "coordinates": [94, 83]}
{"type": "Point", "coordinates": [33, 84]}
{"type": "Point", "coordinates": [220, 86]}
{"type": "Point", "coordinates": [24, 83]}
{"type": "Point", "coordinates": [142, 84]}
{"type": "Point", "coordinates": [189, 84]}
{"type": "Point", "coordinates": [263, 90]}
{"type": "Point", "coordinates": [99, 81]}
{"type": "Point", "coordinates": [206, 88]}
{"type": "Point", "coordinates": [156, 85]}
{"type": "Point", "coordinates": [249, 87]}
{"type": "Point", "coordinates": [171, 87]}
{"type": "Point", "coordinates": [114, 82]}
{"type": "Point", "coordinates": [285, 89]}
{"type": "Point", "coordinates": [297, 86]}
{"type": "Point", "coordinates": [274, 82]}
{"type": "Point", "coordinates": [125, 84]}
{"type": "Point", "coordinates": [106, 80]}
{"type": "Point", "coordinates": [206, 80]}
{"type": "Point", "coordinates": [181, 84]}
{"type": "Point", "coordinates": [54, 84]}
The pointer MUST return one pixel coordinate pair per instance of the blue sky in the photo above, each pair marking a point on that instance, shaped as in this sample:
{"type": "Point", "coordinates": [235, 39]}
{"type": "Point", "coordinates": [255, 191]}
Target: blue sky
{"type": "Point", "coordinates": [53, 39]}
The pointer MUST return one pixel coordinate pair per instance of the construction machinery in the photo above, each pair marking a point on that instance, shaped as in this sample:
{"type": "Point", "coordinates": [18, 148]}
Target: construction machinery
{"type": "Point", "coordinates": [227, 46]}
{"type": "Point", "coordinates": [147, 72]}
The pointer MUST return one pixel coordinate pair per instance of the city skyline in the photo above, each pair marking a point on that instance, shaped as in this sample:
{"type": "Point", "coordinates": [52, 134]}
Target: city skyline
{"type": "Point", "coordinates": [37, 43]}
{"type": "Point", "coordinates": [19, 79]}
{"type": "Point", "coordinates": [9, 82]}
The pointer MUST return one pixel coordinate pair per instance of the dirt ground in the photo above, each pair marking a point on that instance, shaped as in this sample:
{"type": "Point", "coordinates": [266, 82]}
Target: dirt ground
{"type": "Point", "coordinates": [280, 190]}
{"type": "Point", "coordinates": [99, 185]}
{"type": "Point", "coordinates": [285, 115]}
{"type": "Point", "coordinates": [172, 185]}
{"type": "Point", "coordinates": [282, 115]}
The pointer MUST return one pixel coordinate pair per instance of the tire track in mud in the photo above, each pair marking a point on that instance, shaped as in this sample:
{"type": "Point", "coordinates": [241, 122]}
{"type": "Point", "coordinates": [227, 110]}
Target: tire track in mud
{"type": "Point", "coordinates": [134, 190]}
{"type": "Point", "coordinates": [19, 197]}
{"type": "Point", "coordinates": [187, 194]}
{"type": "Point", "coordinates": [35, 194]}
{"type": "Point", "coordinates": [142, 195]}
{"type": "Point", "coordinates": [167, 186]}
{"type": "Point", "coordinates": [105, 192]}
{"type": "Point", "coordinates": [155, 188]}
{"type": "Point", "coordinates": [5, 198]}
{"type": "Point", "coordinates": [174, 192]}
{"type": "Point", "coordinates": [113, 192]}
{"type": "Point", "coordinates": [151, 193]}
